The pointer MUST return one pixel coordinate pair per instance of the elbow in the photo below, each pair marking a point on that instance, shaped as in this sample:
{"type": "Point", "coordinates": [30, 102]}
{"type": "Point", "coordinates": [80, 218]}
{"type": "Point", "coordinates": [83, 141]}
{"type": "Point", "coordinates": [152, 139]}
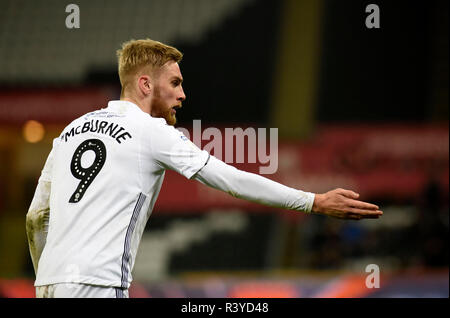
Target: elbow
{"type": "Point", "coordinates": [30, 222]}
{"type": "Point", "coordinates": [36, 220]}
{"type": "Point", "coordinates": [32, 217]}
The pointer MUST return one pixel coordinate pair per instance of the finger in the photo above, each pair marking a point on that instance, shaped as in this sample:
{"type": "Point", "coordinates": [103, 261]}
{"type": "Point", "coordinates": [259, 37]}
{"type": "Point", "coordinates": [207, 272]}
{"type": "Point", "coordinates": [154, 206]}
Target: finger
{"type": "Point", "coordinates": [371, 216]}
{"type": "Point", "coordinates": [348, 193]}
{"type": "Point", "coordinates": [354, 217]}
{"type": "Point", "coordinates": [362, 205]}
{"type": "Point", "coordinates": [364, 212]}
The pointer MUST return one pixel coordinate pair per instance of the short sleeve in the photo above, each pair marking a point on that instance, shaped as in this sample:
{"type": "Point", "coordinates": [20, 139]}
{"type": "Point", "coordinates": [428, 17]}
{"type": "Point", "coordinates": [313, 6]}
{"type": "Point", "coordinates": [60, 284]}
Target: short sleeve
{"type": "Point", "coordinates": [46, 174]}
{"type": "Point", "coordinates": [173, 150]}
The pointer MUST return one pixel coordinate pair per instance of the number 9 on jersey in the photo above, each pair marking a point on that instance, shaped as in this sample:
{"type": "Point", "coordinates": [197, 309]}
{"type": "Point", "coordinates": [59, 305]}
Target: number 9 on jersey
{"type": "Point", "coordinates": [88, 174]}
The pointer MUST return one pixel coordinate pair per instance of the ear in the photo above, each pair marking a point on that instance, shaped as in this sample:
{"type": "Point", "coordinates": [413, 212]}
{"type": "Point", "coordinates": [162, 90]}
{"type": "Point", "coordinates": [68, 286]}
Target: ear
{"type": "Point", "coordinates": [144, 84]}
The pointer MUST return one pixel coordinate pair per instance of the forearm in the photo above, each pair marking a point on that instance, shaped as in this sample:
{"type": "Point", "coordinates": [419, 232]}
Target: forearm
{"type": "Point", "coordinates": [253, 187]}
{"type": "Point", "coordinates": [37, 221]}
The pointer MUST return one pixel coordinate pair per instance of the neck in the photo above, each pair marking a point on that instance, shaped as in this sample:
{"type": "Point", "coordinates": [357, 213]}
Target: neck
{"type": "Point", "coordinates": [145, 107]}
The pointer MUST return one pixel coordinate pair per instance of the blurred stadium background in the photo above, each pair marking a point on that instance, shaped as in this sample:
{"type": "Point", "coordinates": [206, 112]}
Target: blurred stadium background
{"type": "Point", "coordinates": [358, 108]}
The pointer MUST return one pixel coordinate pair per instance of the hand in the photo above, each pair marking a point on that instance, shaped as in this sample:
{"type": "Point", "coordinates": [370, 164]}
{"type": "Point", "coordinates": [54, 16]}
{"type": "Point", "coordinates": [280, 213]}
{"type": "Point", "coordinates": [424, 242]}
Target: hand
{"type": "Point", "coordinates": [342, 204]}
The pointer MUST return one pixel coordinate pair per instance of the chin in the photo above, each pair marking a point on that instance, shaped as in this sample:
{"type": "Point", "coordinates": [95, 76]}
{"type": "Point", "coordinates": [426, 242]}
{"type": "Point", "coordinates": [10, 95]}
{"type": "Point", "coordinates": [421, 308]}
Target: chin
{"type": "Point", "coordinates": [171, 120]}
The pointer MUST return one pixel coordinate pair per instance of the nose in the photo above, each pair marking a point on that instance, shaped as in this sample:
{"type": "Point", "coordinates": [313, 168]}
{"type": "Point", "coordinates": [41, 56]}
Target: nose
{"type": "Point", "coordinates": [182, 96]}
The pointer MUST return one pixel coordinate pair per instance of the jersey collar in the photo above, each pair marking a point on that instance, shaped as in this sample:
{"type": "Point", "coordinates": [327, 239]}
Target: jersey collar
{"type": "Point", "coordinates": [123, 104]}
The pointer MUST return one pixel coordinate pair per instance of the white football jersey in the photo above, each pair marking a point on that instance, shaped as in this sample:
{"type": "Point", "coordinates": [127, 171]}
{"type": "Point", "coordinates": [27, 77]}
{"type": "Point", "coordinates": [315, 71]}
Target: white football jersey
{"type": "Point", "coordinates": [106, 170]}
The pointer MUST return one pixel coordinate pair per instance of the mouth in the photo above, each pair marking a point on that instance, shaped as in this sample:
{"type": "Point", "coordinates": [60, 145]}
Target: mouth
{"type": "Point", "coordinates": [175, 108]}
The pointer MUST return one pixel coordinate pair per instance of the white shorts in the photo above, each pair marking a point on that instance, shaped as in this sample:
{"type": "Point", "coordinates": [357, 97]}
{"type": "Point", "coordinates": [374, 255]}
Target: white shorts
{"type": "Point", "coordinates": [74, 290]}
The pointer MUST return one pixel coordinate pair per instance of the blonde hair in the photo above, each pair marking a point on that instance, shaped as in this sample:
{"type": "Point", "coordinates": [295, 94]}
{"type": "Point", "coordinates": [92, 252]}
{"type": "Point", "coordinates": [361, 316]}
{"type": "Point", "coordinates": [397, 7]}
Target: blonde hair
{"type": "Point", "coordinates": [137, 54]}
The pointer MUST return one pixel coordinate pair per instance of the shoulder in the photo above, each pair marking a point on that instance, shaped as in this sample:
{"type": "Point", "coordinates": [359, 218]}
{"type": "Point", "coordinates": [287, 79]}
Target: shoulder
{"type": "Point", "coordinates": [72, 124]}
{"type": "Point", "coordinates": [154, 121]}
{"type": "Point", "coordinates": [160, 127]}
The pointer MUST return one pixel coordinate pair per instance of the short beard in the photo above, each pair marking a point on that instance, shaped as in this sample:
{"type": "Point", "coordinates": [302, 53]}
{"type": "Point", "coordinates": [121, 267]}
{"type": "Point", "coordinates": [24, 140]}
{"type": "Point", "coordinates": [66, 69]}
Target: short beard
{"type": "Point", "coordinates": [158, 112]}
{"type": "Point", "coordinates": [167, 115]}
{"type": "Point", "coordinates": [170, 119]}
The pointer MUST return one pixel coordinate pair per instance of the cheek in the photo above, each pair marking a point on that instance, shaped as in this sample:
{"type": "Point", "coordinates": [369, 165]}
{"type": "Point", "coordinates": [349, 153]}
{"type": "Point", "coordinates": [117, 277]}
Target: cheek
{"type": "Point", "coordinates": [166, 94]}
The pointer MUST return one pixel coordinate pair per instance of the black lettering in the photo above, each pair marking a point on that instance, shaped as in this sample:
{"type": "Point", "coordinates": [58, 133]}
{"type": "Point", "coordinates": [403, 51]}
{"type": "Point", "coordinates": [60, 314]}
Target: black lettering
{"type": "Point", "coordinates": [123, 136]}
{"type": "Point", "coordinates": [85, 127]}
{"type": "Point", "coordinates": [111, 129]}
{"type": "Point", "coordinates": [92, 126]}
{"type": "Point", "coordinates": [69, 134]}
{"type": "Point", "coordinates": [121, 128]}
{"type": "Point", "coordinates": [102, 126]}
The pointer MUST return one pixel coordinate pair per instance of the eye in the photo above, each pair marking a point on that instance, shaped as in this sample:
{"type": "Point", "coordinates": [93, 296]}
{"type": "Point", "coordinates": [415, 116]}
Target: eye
{"type": "Point", "coordinates": [176, 82]}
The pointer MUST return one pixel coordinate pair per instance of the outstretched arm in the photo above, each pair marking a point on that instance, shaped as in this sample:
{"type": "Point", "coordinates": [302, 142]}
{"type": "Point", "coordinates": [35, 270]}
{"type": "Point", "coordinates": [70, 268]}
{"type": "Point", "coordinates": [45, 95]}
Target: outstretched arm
{"type": "Point", "coordinates": [338, 203]}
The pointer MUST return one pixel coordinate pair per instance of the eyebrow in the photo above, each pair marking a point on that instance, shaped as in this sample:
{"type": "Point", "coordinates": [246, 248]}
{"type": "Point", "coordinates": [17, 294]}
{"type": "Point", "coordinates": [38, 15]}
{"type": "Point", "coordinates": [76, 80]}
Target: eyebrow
{"type": "Point", "coordinates": [176, 78]}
